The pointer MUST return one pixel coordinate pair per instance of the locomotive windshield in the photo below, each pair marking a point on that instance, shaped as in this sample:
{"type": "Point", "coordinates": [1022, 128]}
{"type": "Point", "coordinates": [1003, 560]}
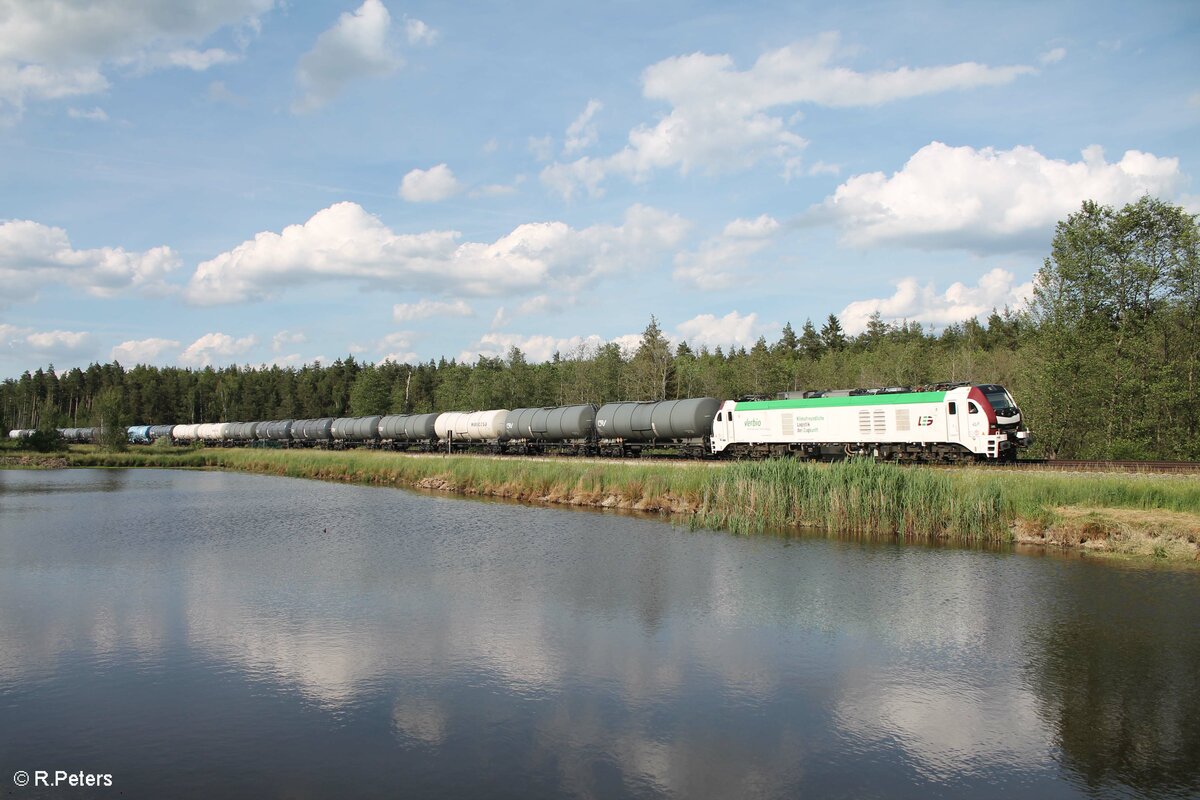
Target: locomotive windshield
{"type": "Point", "coordinates": [999, 399]}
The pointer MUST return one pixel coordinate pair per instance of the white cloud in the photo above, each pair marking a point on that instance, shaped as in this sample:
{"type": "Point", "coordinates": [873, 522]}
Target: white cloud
{"type": "Point", "coordinates": [719, 118]}
{"type": "Point", "coordinates": [345, 242]}
{"type": "Point", "coordinates": [538, 347]}
{"type": "Point", "coordinates": [915, 302]}
{"type": "Point", "coordinates": [141, 351]}
{"type": "Point", "coordinates": [1194, 100]}
{"type": "Point", "coordinates": [429, 185]}
{"type": "Point", "coordinates": [284, 338]}
{"type": "Point", "coordinates": [357, 46]}
{"type": "Point", "coordinates": [33, 255]}
{"type": "Point", "coordinates": [719, 260]}
{"type": "Point", "coordinates": [405, 312]}
{"type": "Point", "coordinates": [581, 133]}
{"type": "Point", "coordinates": [418, 33]}
{"type": "Point", "coordinates": [93, 114]}
{"type": "Point", "coordinates": [1053, 56]}
{"type": "Point", "coordinates": [215, 348]}
{"type": "Point", "coordinates": [713, 331]}
{"type": "Point", "coordinates": [25, 342]}
{"type": "Point", "coordinates": [542, 149]}
{"type": "Point", "coordinates": [60, 48]}
{"type": "Point", "coordinates": [960, 197]}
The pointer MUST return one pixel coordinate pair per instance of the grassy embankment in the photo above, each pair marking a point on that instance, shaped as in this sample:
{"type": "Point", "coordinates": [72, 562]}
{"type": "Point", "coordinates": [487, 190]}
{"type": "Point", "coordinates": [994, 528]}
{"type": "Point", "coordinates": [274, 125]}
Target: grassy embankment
{"type": "Point", "coordinates": [1157, 516]}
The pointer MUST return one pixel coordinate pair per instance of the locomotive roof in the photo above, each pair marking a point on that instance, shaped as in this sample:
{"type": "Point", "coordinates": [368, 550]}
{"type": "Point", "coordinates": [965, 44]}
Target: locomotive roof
{"type": "Point", "coordinates": [893, 399]}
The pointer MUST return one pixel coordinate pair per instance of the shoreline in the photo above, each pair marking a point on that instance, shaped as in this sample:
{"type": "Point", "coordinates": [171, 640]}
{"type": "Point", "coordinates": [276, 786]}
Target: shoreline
{"type": "Point", "coordinates": [1155, 518]}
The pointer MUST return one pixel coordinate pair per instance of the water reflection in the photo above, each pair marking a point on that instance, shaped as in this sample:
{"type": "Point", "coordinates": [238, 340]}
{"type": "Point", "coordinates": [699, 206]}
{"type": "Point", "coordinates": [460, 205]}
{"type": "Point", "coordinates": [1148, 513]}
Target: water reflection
{"type": "Point", "coordinates": [450, 647]}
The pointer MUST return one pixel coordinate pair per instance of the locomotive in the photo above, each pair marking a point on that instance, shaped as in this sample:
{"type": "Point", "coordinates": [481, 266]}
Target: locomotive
{"type": "Point", "coordinates": [945, 423]}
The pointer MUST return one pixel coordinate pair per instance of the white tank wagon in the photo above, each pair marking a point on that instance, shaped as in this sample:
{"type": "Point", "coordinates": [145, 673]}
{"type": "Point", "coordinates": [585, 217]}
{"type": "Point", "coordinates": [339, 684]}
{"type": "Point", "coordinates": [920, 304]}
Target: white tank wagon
{"type": "Point", "coordinates": [403, 430]}
{"type": "Point", "coordinates": [186, 433]}
{"type": "Point", "coordinates": [470, 427]}
{"type": "Point", "coordinates": [310, 432]}
{"type": "Point", "coordinates": [627, 428]}
{"type": "Point", "coordinates": [555, 428]}
{"type": "Point", "coordinates": [21, 433]}
{"type": "Point", "coordinates": [211, 431]}
{"type": "Point", "coordinates": [355, 430]}
{"type": "Point", "coordinates": [957, 423]}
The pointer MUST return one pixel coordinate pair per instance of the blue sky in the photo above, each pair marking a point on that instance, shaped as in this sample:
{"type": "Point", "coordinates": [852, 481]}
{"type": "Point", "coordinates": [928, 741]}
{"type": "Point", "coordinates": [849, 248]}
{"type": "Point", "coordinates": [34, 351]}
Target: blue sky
{"type": "Point", "coordinates": [249, 181]}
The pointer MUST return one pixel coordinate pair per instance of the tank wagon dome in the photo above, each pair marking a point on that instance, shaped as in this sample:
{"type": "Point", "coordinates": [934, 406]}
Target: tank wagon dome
{"type": "Point", "coordinates": [551, 423]}
{"type": "Point", "coordinates": [312, 430]}
{"type": "Point", "coordinates": [411, 427]}
{"type": "Point", "coordinates": [355, 428]}
{"type": "Point", "coordinates": [275, 430]}
{"type": "Point", "coordinates": [666, 419]}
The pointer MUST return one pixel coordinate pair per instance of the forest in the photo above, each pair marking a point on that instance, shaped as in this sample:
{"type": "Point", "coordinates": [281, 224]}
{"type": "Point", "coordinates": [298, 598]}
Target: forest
{"type": "Point", "coordinates": [1104, 360]}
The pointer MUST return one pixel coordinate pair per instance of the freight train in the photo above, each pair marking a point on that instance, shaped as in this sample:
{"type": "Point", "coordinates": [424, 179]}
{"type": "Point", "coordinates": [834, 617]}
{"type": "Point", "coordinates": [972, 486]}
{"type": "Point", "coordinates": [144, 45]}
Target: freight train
{"type": "Point", "coordinates": [953, 422]}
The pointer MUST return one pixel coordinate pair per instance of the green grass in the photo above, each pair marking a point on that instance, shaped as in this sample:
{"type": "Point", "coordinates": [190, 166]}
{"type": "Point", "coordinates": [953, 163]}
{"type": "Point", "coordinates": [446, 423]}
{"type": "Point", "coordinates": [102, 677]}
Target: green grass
{"type": "Point", "coordinates": [968, 505]}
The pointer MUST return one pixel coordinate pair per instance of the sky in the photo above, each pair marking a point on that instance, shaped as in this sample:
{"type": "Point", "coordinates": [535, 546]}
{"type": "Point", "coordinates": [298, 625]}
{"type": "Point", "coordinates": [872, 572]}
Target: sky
{"type": "Point", "coordinates": [208, 182]}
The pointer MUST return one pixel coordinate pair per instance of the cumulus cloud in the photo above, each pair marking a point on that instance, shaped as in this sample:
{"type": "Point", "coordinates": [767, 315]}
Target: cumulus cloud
{"type": "Point", "coordinates": [25, 342]}
{"type": "Point", "coordinates": [142, 351]}
{"type": "Point", "coordinates": [721, 118]}
{"type": "Point", "coordinates": [61, 48]}
{"type": "Point", "coordinates": [345, 242]}
{"type": "Point", "coordinates": [33, 255]}
{"type": "Point", "coordinates": [988, 199]}
{"type": "Point", "coordinates": [1053, 56]}
{"type": "Point", "coordinates": [418, 33]}
{"type": "Point", "coordinates": [915, 302]}
{"type": "Point", "coordinates": [710, 330]}
{"type": "Point", "coordinates": [429, 185]}
{"type": "Point", "coordinates": [582, 133]}
{"type": "Point", "coordinates": [720, 259]}
{"type": "Point", "coordinates": [215, 348]}
{"type": "Point", "coordinates": [536, 347]}
{"type": "Point", "coordinates": [285, 338]}
{"type": "Point", "coordinates": [93, 114]}
{"type": "Point", "coordinates": [357, 46]}
{"type": "Point", "coordinates": [405, 312]}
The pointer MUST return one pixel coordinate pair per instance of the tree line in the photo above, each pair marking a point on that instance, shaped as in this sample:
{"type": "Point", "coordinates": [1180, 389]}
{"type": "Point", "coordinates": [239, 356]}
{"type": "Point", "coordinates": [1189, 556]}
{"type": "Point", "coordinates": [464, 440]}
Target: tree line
{"type": "Point", "coordinates": [1103, 360]}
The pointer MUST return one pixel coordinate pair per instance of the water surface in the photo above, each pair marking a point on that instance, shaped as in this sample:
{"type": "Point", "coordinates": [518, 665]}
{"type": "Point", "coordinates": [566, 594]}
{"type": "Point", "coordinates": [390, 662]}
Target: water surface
{"type": "Point", "coordinates": [199, 634]}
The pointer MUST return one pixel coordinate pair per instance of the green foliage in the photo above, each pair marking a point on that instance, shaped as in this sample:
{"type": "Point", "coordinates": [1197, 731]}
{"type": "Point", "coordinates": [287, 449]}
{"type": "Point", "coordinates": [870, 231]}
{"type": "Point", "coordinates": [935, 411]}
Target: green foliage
{"type": "Point", "coordinates": [43, 440]}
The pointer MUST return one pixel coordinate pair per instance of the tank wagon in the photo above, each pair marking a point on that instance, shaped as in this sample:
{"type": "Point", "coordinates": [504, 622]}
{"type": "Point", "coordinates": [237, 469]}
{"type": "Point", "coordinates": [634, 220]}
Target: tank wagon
{"type": "Point", "coordinates": [279, 430]}
{"type": "Point", "coordinates": [553, 429]}
{"type": "Point", "coordinates": [950, 422]}
{"type": "Point", "coordinates": [627, 428]}
{"type": "Point", "coordinates": [353, 431]}
{"type": "Point", "coordinates": [459, 429]}
{"type": "Point", "coordinates": [138, 434]}
{"type": "Point", "coordinates": [402, 431]}
{"type": "Point", "coordinates": [312, 432]}
{"type": "Point", "coordinates": [160, 432]}
{"type": "Point", "coordinates": [21, 433]}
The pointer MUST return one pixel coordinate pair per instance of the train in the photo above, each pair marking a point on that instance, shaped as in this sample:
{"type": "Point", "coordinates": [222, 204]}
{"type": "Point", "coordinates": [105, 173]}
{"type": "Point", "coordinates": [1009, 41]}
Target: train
{"type": "Point", "coordinates": [941, 423]}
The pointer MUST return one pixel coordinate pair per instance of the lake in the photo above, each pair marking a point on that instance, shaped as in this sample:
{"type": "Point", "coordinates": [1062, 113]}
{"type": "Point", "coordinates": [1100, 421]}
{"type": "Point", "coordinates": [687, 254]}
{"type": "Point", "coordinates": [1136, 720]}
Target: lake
{"type": "Point", "coordinates": [200, 634]}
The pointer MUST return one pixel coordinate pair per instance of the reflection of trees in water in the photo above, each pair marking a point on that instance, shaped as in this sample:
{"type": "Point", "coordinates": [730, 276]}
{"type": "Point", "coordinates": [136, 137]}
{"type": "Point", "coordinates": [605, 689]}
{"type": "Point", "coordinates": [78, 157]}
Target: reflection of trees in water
{"type": "Point", "coordinates": [1121, 694]}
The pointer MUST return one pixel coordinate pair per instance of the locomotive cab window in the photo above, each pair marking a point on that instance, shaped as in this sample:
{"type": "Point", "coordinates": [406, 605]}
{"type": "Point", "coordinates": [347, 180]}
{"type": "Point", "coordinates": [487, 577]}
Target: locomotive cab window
{"type": "Point", "coordinates": [972, 408]}
{"type": "Point", "coordinates": [719, 418]}
{"type": "Point", "coordinates": [954, 408]}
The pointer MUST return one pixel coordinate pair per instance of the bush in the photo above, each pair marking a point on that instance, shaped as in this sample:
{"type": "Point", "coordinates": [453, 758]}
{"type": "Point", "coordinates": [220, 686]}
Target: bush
{"type": "Point", "coordinates": [47, 440]}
